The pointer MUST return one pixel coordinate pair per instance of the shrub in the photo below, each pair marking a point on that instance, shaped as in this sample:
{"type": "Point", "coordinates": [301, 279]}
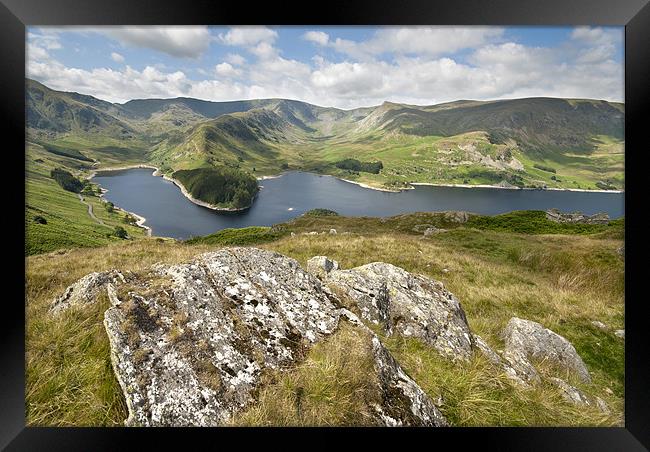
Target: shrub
{"type": "Point", "coordinates": [356, 165]}
{"type": "Point", "coordinates": [120, 232]}
{"type": "Point", "coordinates": [66, 180]}
{"type": "Point", "coordinates": [40, 220]}
{"type": "Point", "coordinates": [320, 213]}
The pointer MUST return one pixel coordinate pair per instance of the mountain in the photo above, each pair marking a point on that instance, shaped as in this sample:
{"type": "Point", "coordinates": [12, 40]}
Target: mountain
{"type": "Point", "coordinates": [569, 143]}
{"type": "Point", "coordinates": [534, 123]}
{"type": "Point", "coordinates": [60, 112]}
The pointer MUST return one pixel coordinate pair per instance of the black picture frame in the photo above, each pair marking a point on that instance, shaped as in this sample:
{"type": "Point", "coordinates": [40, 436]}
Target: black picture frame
{"type": "Point", "coordinates": [15, 15]}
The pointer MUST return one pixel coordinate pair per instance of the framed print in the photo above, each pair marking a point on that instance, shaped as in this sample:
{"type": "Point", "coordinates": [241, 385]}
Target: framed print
{"type": "Point", "coordinates": [385, 215]}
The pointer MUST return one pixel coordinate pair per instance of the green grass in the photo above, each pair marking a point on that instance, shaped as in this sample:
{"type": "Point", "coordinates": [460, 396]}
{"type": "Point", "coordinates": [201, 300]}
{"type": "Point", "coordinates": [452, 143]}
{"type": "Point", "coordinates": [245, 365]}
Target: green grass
{"type": "Point", "coordinates": [563, 281]}
{"type": "Point", "coordinates": [535, 222]}
{"type": "Point", "coordinates": [68, 223]}
{"type": "Point", "coordinates": [242, 236]}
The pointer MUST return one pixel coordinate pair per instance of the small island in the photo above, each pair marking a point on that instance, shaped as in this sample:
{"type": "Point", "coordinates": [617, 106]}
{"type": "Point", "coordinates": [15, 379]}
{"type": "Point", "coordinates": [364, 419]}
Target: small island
{"type": "Point", "coordinates": [220, 187]}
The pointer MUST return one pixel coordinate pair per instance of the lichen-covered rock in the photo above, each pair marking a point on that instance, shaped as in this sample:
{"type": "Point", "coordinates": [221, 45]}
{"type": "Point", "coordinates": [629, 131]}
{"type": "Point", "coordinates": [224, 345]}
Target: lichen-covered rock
{"type": "Point", "coordinates": [620, 333]}
{"type": "Point", "coordinates": [570, 393]}
{"type": "Point", "coordinates": [192, 351]}
{"type": "Point", "coordinates": [404, 403]}
{"type": "Point", "coordinates": [407, 304]}
{"type": "Point", "coordinates": [577, 397]}
{"type": "Point", "coordinates": [487, 351]}
{"type": "Point", "coordinates": [432, 231]}
{"type": "Point", "coordinates": [190, 342]}
{"type": "Point", "coordinates": [422, 227]}
{"type": "Point", "coordinates": [85, 290]}
{"type": "Point", "coordinates": [456, 216]}
{"type": "Point", "coordinates": [576, 217]}
{"type": "Point", "coordinates": [321, 265]}
{"type": "Point", "coordinates": [527, 339]}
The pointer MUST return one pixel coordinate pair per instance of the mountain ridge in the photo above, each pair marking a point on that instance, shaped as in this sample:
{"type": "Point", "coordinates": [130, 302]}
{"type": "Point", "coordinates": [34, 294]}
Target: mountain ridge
{"type": "Point", "coordinates": [527, 142]}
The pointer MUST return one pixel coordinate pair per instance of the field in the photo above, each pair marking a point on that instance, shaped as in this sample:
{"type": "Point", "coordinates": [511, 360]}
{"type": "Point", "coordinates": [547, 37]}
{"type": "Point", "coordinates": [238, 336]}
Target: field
{"type": "Point", "coordinates": [68, 222]}
{"type": "Point", "coordinates": [564, 280]}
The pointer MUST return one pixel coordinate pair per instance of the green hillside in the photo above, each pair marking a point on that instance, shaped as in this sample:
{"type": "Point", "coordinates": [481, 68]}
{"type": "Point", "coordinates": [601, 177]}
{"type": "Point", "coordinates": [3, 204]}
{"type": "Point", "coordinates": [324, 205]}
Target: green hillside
{"type": "Point", "coordinates": [535, 142]}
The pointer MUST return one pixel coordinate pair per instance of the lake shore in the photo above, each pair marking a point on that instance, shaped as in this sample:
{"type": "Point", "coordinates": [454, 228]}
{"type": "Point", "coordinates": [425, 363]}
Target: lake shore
{"type": "Point", "coordinates": [516, 188]}
{"type": "Point", "coordinates": [140, 219]}
{"type": "Point", "coordinates": [185, 193]}
{"type": "Point", "coordinates": [413, 184]}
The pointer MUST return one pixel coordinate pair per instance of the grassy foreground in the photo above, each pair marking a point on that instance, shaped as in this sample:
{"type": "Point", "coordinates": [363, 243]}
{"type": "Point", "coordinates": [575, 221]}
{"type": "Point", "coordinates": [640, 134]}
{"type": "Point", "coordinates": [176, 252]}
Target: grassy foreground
{"type": "Point", "coordinates": [563, 280]}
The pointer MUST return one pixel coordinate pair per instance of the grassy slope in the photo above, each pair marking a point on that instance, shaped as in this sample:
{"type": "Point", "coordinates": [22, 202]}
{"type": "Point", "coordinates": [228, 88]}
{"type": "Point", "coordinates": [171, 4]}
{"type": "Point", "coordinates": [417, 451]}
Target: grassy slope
{"type": "Point", "coordinates": [406, 158]}
{"type": "Point", "coordinates": [413, 143]}
{"type": "Point", "coordinates": [562, 281]}
{"type": "Point", "coordinates": [68, 223]}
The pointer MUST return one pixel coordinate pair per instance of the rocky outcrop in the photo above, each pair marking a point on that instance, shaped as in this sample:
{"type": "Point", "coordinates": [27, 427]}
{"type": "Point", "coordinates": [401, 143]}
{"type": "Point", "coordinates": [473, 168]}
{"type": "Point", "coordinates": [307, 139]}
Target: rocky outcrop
{"type": "Point", "coordinates": [576, 217]}
{"type": "Point", "coordinates": [193, 352]}
{"type": "Point", "coordinates": [456, 216]}
{"type": "Point", "coordinates": [432, 231]}
{"type": "Point", "coordinates": [190, 342]}
{"type": "Point", "coordinates": [577, 397]}
{"type": "Point", "coordinates": [526, 339]}
{"type": "Point", "coordinates": [403, 303]}
{"type": "Point", "coordinates": [321, 265]}
{"type": "Point", "coordinates": [85, 290]}
{"type": "Point", "coordinates": [403, 401]}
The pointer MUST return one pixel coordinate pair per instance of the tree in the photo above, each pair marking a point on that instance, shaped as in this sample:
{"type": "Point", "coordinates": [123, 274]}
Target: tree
{"type": "Point", "coordinates": [120, 232]}
{"type": "Point", "coordinates": [66, 180]}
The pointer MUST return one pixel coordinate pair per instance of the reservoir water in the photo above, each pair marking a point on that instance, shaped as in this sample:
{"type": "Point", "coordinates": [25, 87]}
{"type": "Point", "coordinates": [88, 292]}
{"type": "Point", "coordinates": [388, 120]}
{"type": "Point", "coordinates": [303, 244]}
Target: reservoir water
{"type": "Point", "coordinates": [170, 214]}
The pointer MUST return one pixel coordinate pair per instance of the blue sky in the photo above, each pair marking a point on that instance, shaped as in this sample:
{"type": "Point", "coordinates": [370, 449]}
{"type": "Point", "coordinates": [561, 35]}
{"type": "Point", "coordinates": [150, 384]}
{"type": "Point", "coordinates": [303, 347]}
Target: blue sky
{"type": "Point", "coordinates": [345, 67]}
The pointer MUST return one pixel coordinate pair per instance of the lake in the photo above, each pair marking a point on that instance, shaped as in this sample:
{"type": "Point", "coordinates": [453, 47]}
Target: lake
{"type": "Point", "coordinates": [170, 214]}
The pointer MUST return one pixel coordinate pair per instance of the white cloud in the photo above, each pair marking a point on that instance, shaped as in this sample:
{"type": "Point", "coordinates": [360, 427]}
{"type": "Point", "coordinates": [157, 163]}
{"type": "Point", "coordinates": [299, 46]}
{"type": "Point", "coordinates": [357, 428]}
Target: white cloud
{"type": "Point", "coordinates": [177, 41]}
{"type": "Point", "coordinates": [264, 50]}
{"type": "Point", "coordinates": [318, 37]}
{"type": "Point", "coordinates": [596, 35]}
{"type": "Point", "coordinates": [248, 36]}
{"type": "Point", "coordinates": [226, 70]}
{"type": "Point", "coordinates": [46, 39]}
{"type": "Point", "coordinates": [429, 41]}
{"type": "Point", "coordinates": [117, 57]}
{"type": "Point", "coordinates": [236, 59]}
{"type": "Point", "coordinates": [583, 66]}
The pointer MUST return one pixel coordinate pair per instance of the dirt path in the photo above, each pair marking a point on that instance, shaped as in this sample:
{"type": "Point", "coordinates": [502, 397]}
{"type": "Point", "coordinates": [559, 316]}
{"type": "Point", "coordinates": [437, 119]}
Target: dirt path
{"type": "Point", "coordinates": [90, 210]}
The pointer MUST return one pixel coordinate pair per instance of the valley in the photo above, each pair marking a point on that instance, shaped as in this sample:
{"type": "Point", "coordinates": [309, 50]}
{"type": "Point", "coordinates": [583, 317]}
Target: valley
{"type": "Point", "coordinates": [527, 143]}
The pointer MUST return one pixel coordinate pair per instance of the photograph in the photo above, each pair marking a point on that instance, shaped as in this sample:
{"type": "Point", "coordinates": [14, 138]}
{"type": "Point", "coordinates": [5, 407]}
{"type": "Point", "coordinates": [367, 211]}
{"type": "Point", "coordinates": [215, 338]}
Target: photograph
{"type": "Point", "coordinates": [325, 225]}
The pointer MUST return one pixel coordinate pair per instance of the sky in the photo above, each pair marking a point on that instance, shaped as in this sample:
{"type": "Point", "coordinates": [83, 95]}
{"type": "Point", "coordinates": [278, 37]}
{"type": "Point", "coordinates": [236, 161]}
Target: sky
{"type": "Point", "coordinates": [344, 67]}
